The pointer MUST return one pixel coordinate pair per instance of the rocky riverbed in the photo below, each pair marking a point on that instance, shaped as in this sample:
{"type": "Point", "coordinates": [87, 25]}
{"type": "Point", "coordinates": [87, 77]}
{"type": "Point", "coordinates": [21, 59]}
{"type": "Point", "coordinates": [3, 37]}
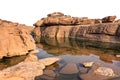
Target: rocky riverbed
{"type": "Point", "coordinates": [80, 60]}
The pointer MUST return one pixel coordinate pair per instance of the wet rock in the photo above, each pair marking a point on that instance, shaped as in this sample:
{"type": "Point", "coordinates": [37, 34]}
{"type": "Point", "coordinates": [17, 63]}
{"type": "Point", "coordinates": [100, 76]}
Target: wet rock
{"type": "Point", "coordinates": [49, 61]}
{"type": "Point", "coordinates": [88, 64]}
{"type": "Point", "coordinates": [69, 69]}
{"type": "Point", "coordinates": [83, 70]}
{"type": "Point", "coordinates": [104, 71]}
{"type": "Point", "coordinates": [26, 70]}
{"type": "Point", "coordinates": [15, 39]}
{"type": "Point", "coordinates": [50, 73]}
{"type": "Point", "coordinates": [91, 76]}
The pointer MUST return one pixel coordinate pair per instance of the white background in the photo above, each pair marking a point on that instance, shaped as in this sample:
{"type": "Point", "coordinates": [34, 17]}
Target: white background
{"type": "Point", "coordinates": [29, 11]}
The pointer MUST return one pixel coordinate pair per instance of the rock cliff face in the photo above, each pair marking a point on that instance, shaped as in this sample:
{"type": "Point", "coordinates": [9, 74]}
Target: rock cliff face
{"type": "Point", "coordinates": [15, 39]}
{"type": "Point", "coordinates": [59, 25]}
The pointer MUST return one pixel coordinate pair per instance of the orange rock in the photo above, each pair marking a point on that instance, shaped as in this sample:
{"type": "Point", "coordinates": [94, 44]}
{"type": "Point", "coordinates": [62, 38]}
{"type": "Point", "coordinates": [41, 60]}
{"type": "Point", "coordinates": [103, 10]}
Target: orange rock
{"type": "Point", "coordinates": [15, 39]}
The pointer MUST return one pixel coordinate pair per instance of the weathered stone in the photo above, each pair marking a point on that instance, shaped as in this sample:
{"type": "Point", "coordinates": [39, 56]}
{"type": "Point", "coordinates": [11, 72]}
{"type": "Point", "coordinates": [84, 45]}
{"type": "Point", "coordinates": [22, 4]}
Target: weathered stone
{"type": "Point", "coordinates": [108, 19]}
{"type": "Point", "coordinates": [108, 29]}
{"type": "Point", "coordinates": [69, 69]}
{"type": "Point", "coordinates": [26, 70]}
{"type": "Point", "coordinates": [50, 73]}
{"type": "Point", "coordinates": [83, 70]}
{"type": "Point", "coordinates": [50, 32]}
{"type": "Point", "coordinates": [49, 61]}
{"type": "Point", "coordinates": [105, 71]}
{"type": "Point", "coordinates": [31, 58]}
{"type": "Point", "coordinates": [88, 64]}
{"type": "Point", "coordinates": [58, 18]}
{"type": "Point", "coordinates": [58, 25]}
{"type": "Point", "coordinates": [12, 78]}
{"type": "Point", "coordinates": [15, 39]}
{"type": "Point", "coordinates": [34, 52]}
{"type": "Point", "coordinates": [63, 31]}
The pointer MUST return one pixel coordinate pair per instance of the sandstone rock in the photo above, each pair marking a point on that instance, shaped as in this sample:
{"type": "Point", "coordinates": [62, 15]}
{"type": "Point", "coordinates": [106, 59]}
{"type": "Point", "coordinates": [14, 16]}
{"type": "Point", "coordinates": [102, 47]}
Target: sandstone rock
{"type": "Point", "coordinates": [31, 58]}
{"type": "Point", "coordinates": [34, 52]}
{"type": "Point", "coordinates": [26, 70]}
{"type": "Point", "coordinates": [15, 39]}
{"type": "Point", "coordinates": [105, 71]}
{"type": "Point", "coordinates": [118, 21]}
{"type": "Point", "coordinates": [13, 78]}
{"type": "Point", "coordinates": [69, 69]}
{"type": "Point", "coordinates": [63, 31]}
{"type": "Point", "coordinates": [58, 18]}
{"type": "Point", "coordinates": [108, 19]}
{"type": "Point", "coordinates": [50, 32]}
{"type": "Point", "coordinates": [39, 22]}
{"type": "Point", "coordinates": [88, 64]}
{"type": "Point", "coordinates": [58, 25]}
{"type": "Point", "coordinates": [49, 61]}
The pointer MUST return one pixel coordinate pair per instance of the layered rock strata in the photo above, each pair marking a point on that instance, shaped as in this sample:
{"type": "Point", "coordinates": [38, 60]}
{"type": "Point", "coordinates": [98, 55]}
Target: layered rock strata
{"type": "Point", "coordinates": [15, 39]}
{"type": "Point", "coordinates": [58, 25]}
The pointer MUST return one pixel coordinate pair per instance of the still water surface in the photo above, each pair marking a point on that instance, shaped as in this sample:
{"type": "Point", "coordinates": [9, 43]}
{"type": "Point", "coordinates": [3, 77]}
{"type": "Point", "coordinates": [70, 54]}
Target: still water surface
{"type": "Point", "coordinates": [78, 52]}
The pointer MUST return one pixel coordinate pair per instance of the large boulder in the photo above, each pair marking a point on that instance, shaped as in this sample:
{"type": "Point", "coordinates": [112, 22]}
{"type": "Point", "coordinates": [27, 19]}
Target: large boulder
{"type": "Point", "coordinates": [57, 25]}
{"type": "Point", "coordinates": [58, 18]}
{"type": "Point", "coordinates": [15, 39]}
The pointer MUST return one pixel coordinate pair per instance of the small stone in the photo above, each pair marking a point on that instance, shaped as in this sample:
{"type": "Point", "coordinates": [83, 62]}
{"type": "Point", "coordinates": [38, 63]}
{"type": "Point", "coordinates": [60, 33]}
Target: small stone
{"type": "Point", "coordinates": [69, 69]}
{"type": "Point", "coordinates": [104, 71]}
{"type": "Point", "coordinates": [49, 61]}
{"type": "Point", "coordinates": [88, 64]}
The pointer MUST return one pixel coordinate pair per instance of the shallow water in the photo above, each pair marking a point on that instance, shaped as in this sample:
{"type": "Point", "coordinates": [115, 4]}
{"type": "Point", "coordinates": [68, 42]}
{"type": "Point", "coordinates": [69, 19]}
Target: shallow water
{"type": "Point", "coordinates": [78, 52]}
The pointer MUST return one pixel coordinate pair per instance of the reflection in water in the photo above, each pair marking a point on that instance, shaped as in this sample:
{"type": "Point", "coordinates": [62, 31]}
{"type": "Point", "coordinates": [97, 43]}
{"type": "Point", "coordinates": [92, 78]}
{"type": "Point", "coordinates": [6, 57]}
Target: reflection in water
{"type": "Point", "coordinates": [106, 51]}
{"type": "Point", "coordinates": [79, 51]}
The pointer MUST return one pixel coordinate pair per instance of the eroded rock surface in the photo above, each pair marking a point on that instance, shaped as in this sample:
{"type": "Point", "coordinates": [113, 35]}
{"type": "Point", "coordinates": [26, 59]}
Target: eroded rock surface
{"type": "Point", "coordinates": [57, 25]}
{"type": "Point", "coordinates": [15, 39]}
{"type": "Point", "coordinates": [26, 70]}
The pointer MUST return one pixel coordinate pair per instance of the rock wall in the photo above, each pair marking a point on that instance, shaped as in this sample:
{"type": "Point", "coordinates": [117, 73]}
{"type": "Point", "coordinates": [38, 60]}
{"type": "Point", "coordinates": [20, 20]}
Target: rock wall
{"type": "Point", "coordinates": [15, 39]}
{"type": "Point", "coordinates": [59, 25]}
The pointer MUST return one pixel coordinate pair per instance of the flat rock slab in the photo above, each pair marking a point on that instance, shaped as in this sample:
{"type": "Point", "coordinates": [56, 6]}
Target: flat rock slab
{"type": "Point", "coordinates": [104, 71]}
{"type": "Point", "coordinates": [69, 69]}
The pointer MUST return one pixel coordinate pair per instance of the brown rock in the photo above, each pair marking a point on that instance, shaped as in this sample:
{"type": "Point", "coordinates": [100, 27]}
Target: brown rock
{"type": "Point", "coordinates": [63, 31]}
{"type": "Point", "coordinates": [15, 40]}
{"type": "Point", "coordinates": [108, 19]}
{"type": "Point", "coordinates": [26, 70]}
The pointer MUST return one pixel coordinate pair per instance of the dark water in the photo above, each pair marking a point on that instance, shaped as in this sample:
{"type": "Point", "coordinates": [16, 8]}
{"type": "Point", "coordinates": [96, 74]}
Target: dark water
{"type": "Point", "coordinates": [7, 62]}
{"type": "Point", "coordinates": [78, 52]}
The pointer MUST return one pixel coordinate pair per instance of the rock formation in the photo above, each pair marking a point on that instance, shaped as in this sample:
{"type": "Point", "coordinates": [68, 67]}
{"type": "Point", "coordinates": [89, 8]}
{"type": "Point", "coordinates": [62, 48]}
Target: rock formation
{"type": "Point", "coordinates": [27, 70]}
{"type": "Point", "coordinates": [15, 39]}
{"type": "Point", "coordinates": [59, 25]}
